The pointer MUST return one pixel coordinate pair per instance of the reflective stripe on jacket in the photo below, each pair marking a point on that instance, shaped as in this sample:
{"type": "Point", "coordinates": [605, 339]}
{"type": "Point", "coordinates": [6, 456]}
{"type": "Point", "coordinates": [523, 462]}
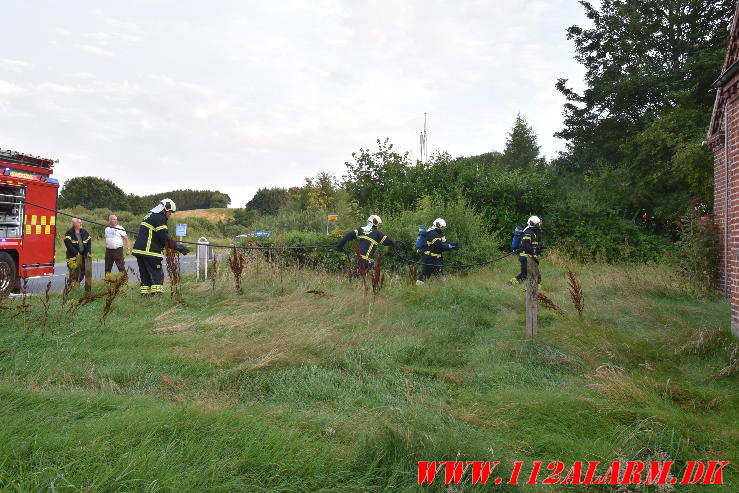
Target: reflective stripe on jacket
{"type": "Point", "coordinates": [435, 245]}
{"type": "Point", "coordinates": [70, 241]}
{"type": "Point", "coordinates": [530, 242]}
{"type": "Point", "coordinates": [368, 241]}
{"type": "Point", "coordinates": [152, 236]}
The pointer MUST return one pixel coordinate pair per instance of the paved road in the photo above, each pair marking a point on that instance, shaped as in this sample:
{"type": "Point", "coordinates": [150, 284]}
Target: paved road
{"type": "Point", "coordinates": [38, 284]}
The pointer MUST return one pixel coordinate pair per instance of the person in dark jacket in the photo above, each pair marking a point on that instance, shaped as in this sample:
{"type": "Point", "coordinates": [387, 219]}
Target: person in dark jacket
{"type": "Point", "coordinates": [530, 247]}
{"type": "Point", "coordinates": [431, 254]}
{"type": "Point", "coordinates": [79, 251]}
{"type": "Point", "coordinates": [370, 237]}
{"type": "Point", "coordinates": [149, 247]}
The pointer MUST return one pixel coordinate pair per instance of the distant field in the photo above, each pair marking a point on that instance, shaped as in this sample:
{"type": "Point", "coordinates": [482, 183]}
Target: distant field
{"type": "Point", "coordinates": [210, 214]}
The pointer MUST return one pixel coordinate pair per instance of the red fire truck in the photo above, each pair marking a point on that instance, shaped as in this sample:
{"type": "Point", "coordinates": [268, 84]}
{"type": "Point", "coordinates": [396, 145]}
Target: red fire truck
{"type": "Point", "coordinates": [27, 232]}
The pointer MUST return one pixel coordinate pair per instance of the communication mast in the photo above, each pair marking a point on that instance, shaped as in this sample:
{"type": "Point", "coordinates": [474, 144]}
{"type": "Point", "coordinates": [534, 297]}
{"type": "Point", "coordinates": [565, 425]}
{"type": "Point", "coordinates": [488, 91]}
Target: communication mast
{"type": "Point", "coordinates": [424, 142]}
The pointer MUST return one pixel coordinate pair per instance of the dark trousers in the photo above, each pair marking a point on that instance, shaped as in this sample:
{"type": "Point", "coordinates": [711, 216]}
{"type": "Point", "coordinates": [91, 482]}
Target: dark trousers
{"type": "Point", "coordinates": [151, 274]}
{"type": "Point", "coordinates": [525, 268]}
{"type": "Point", "coordinates": [428, 270]}
{"type": "Point", "coordinates": [114, 255]}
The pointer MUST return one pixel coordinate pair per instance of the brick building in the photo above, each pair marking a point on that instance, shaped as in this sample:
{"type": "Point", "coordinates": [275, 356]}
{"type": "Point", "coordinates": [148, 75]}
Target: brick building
{"type": "Point", "coordinates": [723, 140]}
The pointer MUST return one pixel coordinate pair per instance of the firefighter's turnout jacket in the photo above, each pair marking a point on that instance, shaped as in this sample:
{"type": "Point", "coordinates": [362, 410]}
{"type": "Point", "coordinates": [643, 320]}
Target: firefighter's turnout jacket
{"type": "Point", "coordinates": [73, 248]}
{"type": "Point", "coordinates": [152, 237]}
{"type": "Point", "coordinates": [531, 243]}
{"type": "Point", "coordinates": [435, 245]}
{"type": "Point", "coordinates": [368, 241]}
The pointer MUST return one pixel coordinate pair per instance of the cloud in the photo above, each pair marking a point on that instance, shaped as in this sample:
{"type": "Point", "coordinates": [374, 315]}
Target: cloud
{"type": "Point", "coordinates": [130, 30]}
{"type": "Point", "coordinates": [51, 87]}
{"type": "Point", "coordinates": [9, 90]}
{"type": "Point", "coordinates": [238, 95]}
{"type": "Point", "coordinates": [96, 50]}
{"type": "Point", "coordinates": [10, 65]}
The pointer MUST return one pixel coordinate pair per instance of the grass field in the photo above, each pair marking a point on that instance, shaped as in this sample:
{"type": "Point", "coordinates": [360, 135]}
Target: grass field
{"type": "Point", "coordinates": [212, 215]}
{"type": "Point", "coordinates": [283, 390]}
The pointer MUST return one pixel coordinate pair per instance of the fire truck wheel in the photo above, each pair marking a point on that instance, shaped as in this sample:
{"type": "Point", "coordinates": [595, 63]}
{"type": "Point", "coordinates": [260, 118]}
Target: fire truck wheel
{"type": "Point", "coordinates": [8, 274]}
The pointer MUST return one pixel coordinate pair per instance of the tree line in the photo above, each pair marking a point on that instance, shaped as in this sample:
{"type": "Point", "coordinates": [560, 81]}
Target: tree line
{"type": "Point", "coordinates": [99, 193]}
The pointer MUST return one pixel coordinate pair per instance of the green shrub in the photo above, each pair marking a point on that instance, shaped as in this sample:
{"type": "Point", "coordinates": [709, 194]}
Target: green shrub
{"type": "Point", "coordinates": [464, 226]}
{"type": "Point", "coordinates": [506, 198]}
{"type": "Point", "coordinates": [584, 225]}
{"type": "Point", "coordinates": [697, 251]}
{"type": "Point", "coordinates": [196, 227]}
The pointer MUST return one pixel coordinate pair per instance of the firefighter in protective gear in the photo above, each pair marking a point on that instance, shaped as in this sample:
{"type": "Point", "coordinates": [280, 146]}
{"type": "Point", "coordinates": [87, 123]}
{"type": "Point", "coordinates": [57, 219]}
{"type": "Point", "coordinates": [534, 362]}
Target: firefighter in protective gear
{"type": "Point", "coordinates": [531, 246]}
{"type": "Point", "coordinates": [149, 247]}
{"type": "Point", "coordinates": [370, 238]}
{"type": "Point", "coordinates": [431, 256]}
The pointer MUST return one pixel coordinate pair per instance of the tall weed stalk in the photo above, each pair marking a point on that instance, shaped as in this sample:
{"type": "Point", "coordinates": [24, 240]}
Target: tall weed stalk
{"type": "Point", "coordinates": [114, 288]}
{"type": "Point", "coordinates": [575, 290]}
{"type": "Point", "coordinates": [45, 308]}
{"type": "Point", "coordinates": [236, 262]}
{"type": "Point", "coordinates": [173, 269]}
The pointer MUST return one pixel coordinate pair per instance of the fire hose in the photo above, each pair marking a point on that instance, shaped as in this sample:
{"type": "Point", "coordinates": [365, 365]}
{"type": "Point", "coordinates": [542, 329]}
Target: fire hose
{"type": "Point", "coordinates": [179, 245]}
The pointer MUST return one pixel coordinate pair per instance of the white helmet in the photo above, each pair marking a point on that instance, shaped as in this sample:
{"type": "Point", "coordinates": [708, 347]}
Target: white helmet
{"type": "Point", "coordinates": [165, 205]}
{"type": "Point", "coordinates": [535, 222]}
{"type": "Point", "coordinates": [439, 224]}
{"type": "Point", "coordinates": [374, 220]}
{"type": "Point", "coordinates": [168, 205]}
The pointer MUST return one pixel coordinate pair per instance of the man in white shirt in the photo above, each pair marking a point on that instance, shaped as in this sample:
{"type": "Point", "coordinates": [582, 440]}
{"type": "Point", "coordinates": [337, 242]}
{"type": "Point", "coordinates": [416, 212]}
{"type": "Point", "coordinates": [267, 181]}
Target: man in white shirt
{"type": "Point", "coordinates": [114, 236]}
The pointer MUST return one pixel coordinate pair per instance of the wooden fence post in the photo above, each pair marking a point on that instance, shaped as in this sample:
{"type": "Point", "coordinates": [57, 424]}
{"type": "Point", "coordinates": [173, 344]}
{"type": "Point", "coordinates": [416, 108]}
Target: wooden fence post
{"type": "Point", "coordinates": [532, 288]}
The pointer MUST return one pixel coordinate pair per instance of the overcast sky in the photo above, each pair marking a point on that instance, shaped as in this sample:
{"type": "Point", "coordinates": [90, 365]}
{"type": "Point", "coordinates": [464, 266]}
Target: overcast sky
{"type": "Point", "coordinates": [236, 95]}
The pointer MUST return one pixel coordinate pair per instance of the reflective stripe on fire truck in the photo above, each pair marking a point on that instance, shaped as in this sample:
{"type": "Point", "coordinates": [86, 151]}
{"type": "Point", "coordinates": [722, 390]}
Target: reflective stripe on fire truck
{"type": "Point", "coordinates": [40, 224]}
